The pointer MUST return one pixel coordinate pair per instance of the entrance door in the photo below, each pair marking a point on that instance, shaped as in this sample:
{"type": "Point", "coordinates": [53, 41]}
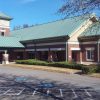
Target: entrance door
{"type": "Point", "coordinates": [75, 56]}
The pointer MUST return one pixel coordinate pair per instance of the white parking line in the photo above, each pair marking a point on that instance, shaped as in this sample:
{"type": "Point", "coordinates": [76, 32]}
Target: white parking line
{"type": "Point", "coordinates": [35, 91]}
{"type": "Point", "coordinates": [75, 95]}
{"type": "Point", "coordinates": [14, 94]}
{"type": "Point", "coordinates": [20, 91]}
{"type": "Point", "coordinates": [6, 91]}
{"type": "Point", "coordinates": [61, 93]}
{"type": "Point", "coordinates": [48, 91]}
{"type": "Point", "coordinates": [87, 93]}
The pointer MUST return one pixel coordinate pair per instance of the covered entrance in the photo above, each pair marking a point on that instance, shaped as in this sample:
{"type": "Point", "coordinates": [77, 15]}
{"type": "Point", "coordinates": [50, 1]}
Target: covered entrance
{"type": "Point", "coordinates": [58, 54]}
{"type": "Point", "coordinates": [76, 54]}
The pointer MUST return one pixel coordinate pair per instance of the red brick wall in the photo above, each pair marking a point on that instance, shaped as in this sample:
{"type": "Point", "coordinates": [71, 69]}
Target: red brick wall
{"type": "Point", "coordinates": [70, 51]}
{"type": "Point", "coordinates": [7, 31]}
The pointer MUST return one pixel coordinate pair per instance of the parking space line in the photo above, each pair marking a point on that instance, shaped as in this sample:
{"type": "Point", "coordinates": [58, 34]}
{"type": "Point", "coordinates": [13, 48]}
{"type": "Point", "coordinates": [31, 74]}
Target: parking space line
{"type": "Point", "coordinates": [87, 93]}
{"type": "Point", "coordinates": [14, 91]}
{"type": "Point", "coordinates": [15, 94]}
{"type": "Point", "coordinates": [75, 95]}
{"type": "Point", "coordinates": [20, 92]}
{"type": "Point", "coordinates": [61, 93]}
{"type": "Point", "coordinates": [35, 91]}
{"type": "Point", "coordinates": [48, 91]}
{"type": "Point", "coordinates": [7, 91]}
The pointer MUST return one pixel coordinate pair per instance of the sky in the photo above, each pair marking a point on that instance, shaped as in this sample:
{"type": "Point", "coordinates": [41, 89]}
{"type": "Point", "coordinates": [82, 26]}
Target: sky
{"type": "Point", "coordinates": [31, 11]}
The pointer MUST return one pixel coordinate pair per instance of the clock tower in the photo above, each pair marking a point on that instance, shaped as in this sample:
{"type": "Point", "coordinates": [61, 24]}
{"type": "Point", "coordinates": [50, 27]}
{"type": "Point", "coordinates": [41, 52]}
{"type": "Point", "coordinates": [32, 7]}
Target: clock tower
{"type": "Point", "coordinates": [4, 24]}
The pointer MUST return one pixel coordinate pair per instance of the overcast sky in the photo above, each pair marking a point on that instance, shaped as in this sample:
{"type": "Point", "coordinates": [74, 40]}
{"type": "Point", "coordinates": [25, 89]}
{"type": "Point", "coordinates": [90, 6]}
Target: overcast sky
{"type": "Point", "coordinates": [31, 11]}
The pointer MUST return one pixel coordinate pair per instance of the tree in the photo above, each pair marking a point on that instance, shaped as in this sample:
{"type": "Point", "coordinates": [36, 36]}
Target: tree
{"type": "Point", "coordinates": [25, 25]}
{"type": "Point", "coordinates": [72, 8]}
{"type": "Point", "coordinates": [79, 7]}
{"type": "Point", "coordinates": [17, 27]}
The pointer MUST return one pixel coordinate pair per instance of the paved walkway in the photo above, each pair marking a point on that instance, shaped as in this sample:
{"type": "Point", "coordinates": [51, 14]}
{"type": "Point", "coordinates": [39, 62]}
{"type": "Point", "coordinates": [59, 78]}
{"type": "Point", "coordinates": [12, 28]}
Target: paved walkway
{"type": "Point", "coordinates": [73, 79]}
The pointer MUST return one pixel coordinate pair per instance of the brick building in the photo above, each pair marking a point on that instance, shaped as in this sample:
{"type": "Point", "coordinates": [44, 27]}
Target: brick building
{"type": "Point", "coordinates": [73, 39]}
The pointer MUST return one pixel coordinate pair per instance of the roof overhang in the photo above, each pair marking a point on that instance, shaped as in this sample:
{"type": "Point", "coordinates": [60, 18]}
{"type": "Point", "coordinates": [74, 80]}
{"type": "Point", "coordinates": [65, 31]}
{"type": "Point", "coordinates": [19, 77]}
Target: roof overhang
{"type": "Point", "coordinates": [64, 38]}
{"type": "Point", "coordinates": [84, 38]}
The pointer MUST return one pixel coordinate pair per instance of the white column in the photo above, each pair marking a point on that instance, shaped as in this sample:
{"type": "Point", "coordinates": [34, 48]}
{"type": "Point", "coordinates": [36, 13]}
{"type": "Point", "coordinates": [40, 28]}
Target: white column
{"type": "Point", "coordinates": [66, 51]}
{"type": "Point", "coordinates": [98, 52]}
{"type": "Point", "coordinates": [5, 58]}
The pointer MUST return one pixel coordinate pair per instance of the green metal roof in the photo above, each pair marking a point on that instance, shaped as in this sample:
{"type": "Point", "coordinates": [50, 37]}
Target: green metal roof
{"type": "Point", "coordinates": [11, 42]}
{"type": "Point", "coordinates": [93, 30]}
{"type": "Point", "coordinates": [4, 16]}
{"type": "Point", "coordinates": [53, 29]}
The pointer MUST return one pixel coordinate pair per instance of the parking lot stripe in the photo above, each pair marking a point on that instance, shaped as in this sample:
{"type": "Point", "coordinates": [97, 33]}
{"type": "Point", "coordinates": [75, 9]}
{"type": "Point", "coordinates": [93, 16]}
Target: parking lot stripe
{"type": "Point", "coordinates": [20, 92]}
{"type": "Point", "coordinates": [7, 91]}
{"type": "Point", "coordinates": [48, 92]}
{"type": "Point", "coordinates": [75, 95]}
{"type": "Point", "coordinates": [35, 91]}
{"type": "Point", "coordinates": [87, 93]}
{"type": "Point", "coordinates": [61, 93]}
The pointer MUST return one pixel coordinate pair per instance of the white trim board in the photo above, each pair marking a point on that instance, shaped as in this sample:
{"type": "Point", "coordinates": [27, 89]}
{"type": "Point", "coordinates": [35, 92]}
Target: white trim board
{"type": "Point", "coordinates": [73, 42]}
{"type": "Point", "coordinates": [29, 49]}
{"type": "Point", "coordinates": [43, 44]}
{"type": "Point", "coordinates": [75, 49]}
{"type": "Point", "coordinates": [45, 49]}
{"type": "Point", "coordinates": [57, 49]}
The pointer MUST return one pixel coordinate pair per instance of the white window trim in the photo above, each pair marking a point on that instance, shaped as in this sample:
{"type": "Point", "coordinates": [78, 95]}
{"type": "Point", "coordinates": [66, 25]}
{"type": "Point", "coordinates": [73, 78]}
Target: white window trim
{"type": "Point", "coordinates": [92, 48]}
{"type": "Point", "coordinates": [86, 53]}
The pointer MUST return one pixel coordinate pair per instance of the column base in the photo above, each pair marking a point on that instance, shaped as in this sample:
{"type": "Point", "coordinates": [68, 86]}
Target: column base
{"type": "Point", "coordinates": [5, 62]}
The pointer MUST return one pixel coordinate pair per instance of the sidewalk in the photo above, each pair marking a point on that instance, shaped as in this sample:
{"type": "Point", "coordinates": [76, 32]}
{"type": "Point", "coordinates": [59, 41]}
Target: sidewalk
{"type": "Point", "coordinates": [46, 68]}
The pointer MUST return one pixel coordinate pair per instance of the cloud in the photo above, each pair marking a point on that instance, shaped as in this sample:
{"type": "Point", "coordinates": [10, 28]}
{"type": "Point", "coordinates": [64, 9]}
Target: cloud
{"type": "Point", "coordinates": [27, 1]}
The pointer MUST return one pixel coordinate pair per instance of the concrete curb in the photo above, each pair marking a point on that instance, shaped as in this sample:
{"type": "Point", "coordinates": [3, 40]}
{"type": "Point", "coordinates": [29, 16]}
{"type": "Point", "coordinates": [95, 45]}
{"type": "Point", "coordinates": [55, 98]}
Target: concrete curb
{"type": "Point", "coordinates": [46, 68]}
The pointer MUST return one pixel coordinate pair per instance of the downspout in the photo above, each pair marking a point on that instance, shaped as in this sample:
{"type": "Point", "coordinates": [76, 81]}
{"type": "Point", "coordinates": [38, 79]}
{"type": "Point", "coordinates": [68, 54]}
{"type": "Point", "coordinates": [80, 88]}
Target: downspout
{"type": "Point", "coordinates": [98, 52]}
{"type": "Point", "coordinates": [35, 51]}
{"type": "Point", "coordinates": [66, 51]}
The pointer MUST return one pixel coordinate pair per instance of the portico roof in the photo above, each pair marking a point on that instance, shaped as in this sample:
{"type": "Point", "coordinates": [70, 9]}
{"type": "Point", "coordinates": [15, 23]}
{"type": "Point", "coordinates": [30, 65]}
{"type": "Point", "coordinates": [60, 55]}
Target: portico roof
{"type": "Point", "coordinates": [10, 42]}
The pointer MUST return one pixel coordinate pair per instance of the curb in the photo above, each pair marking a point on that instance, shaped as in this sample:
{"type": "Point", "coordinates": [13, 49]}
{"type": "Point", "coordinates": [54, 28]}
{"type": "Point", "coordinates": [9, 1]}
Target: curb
{"type": "Point", "coordinates": [46, 68]}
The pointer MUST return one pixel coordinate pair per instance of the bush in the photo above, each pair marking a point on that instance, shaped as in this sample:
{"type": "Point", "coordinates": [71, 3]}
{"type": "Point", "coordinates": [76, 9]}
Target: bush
{"type": "Point", "coordinates": [66, 65]}
{"type": "Point", "coordinates": [89, 69]}
{"type": "Point", "coordinates": [32, 62]}
{"type": "Point", "coordinates": [85, 69]}
{"type": "Point", "coordinates": [98, 69]}
{"type": "Point", "coordinates": [54, 64]}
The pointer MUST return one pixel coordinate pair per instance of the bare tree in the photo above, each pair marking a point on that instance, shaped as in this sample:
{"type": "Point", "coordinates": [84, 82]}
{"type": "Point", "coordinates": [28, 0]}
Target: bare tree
{"type": "Point", "coordinates": [79, 7]}
{"type": "Point", "coordinates": [72, 8]}
{"type": "Point", "coordinates": [25, 25]}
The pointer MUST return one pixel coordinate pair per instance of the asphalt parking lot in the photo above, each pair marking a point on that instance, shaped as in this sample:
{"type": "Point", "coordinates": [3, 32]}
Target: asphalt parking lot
{"type": "Point", "coordinates": [18, 86]}
{"type": "Point", "coordinates": [29, 88]}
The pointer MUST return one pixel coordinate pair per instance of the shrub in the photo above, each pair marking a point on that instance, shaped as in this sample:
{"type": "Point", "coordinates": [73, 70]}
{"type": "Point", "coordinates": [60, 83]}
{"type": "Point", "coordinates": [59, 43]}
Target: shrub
{"type": "Point", "coordinates": [89, 69]}
{"type": "Point", "coordinates": [85, 69]}
{"type": "Point", "coordinates": [54, 64]}
{"type": "Point", "coordinates": [98, 69]}
{"type": "Point", "coordinates": [32, 62]}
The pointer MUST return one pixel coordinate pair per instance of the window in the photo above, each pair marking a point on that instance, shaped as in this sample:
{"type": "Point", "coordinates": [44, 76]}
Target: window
{"type": "Point", "coordinates": [90, 54]}
{"type": "Point", "coordinates": [2, 33]}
